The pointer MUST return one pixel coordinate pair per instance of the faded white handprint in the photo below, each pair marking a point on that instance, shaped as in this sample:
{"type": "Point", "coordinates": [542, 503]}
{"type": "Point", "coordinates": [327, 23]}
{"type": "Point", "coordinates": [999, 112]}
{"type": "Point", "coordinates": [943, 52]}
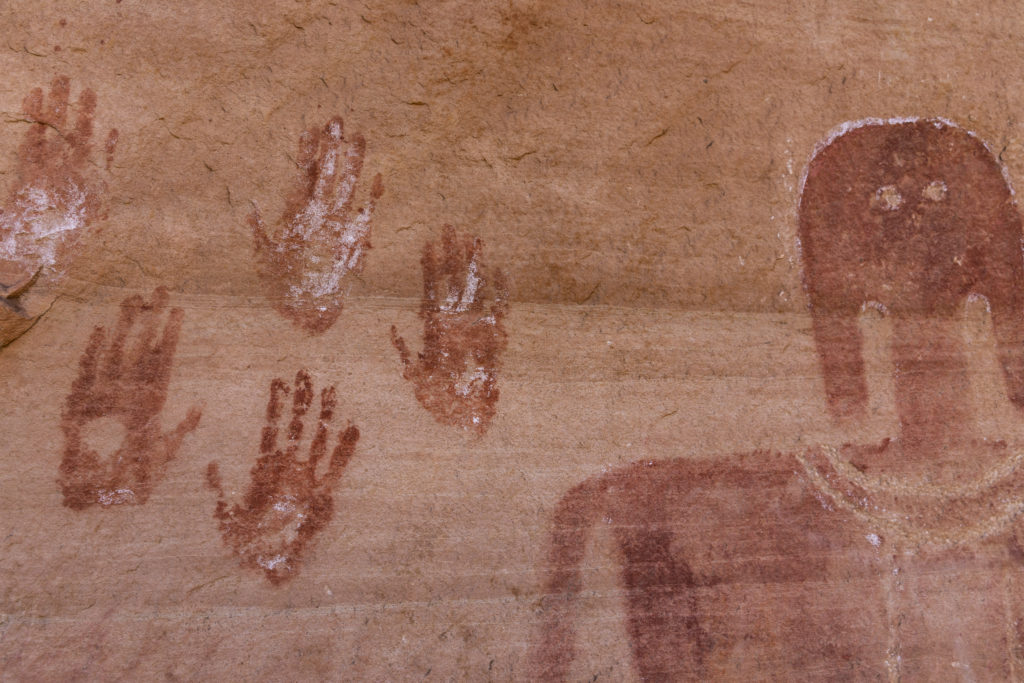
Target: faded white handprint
{"type": "Point", "coordinates": [54, 200]}
{"type": "Point", "coordinates": [320, 240]}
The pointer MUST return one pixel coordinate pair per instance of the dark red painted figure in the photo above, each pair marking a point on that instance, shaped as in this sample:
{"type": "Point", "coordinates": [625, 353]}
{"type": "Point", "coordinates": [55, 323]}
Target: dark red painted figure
{"type": "Point", "coordinates": [892, 561]}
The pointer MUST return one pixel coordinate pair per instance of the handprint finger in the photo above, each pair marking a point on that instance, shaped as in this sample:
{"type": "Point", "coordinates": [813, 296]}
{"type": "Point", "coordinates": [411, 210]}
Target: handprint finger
{"type": "Point", "coordinates": [33, 149]}
{"type": "Point", "coordinates": [328, 401]}
{"type": "Point", "coordinates": [78, 140]}
{"type": "Point", "coordinates": [349, 175]}
{"type": "Point", "coordinates": [468, 299]}
{"type": "Point", "coordinates": [188, 423]}
{"type": "Point", "coordinates": [330, 144]}
{"type": "Point", "coordinates": [309, 142]}
{"type": "Point", "coordinates": [115, 354]}
{"type": "Point", "coordinates": [303, 396]}
{"type": "Point", "coordinates": [456, 259]}
{"type": "Point", "coordinates": [81, 388]}
{"type": "Point", "coordinates": [172, 440]}
{"type": "Point", "coordinates": [261, 241]}
{"type": "Point", "coordinates": [431, 298]}
{"type": "Point", "coordinates": [450, 250]}
{"type": "Point", "coordinates": [354, 240]}
{"type": "Point", "coordinates": [143, 366]}
{"type": "Point", "coordinates": [317, 449]}
{"type": "Point", "coordinates": [56, 111]}
{"type": "Point", "coordinates": [268, 442]}
{"type": "Point", "coordinates": [340, 457]}
{"type": "Point", "coordinates": [377, 189]}
{"type": "Point", "coordinates": [459, 267]}
{"type": "Point", "coordinates": [163, 353]}
{"type": "Point", "coordinates": [110, 146]}
{"type": "Point", "coordinates": [301, 401]}
{"type": "Point", "coordinates": [399, 343]}
{"type": "Point", "coordinates": [32, 105]}
{"type": "Point", "coordinates": [357, 240]}
{"type": "Point", "coordinates": [500, 305]}
{"type": "Point", "coordinates": [213, 479]}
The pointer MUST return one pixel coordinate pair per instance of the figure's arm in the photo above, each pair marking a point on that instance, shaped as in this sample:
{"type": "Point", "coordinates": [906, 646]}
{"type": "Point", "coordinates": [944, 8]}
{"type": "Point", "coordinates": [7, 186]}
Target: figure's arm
{"type": "Point", "coordinates": [573, 519]}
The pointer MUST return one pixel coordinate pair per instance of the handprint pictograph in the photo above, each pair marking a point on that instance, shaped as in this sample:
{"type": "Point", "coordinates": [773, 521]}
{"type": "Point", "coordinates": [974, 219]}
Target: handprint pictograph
{"type": "Point", "coordinates": [287, 504]}
{"type": "Point", "coordinates": [56, 196]}
{"type": "Point", "coordinates": [321, 240]}
{"type": "Point", "coordinates": [115, 404]}
{"type": "Point", "coordinates": [455, 376]}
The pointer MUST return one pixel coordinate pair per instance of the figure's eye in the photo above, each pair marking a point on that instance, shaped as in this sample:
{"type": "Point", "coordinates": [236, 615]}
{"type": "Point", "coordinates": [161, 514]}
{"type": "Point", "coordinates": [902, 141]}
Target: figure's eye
{"type": "Point", "coordinates": [888, 198]}
{"type": "Point", "coordinates": [935, 191]}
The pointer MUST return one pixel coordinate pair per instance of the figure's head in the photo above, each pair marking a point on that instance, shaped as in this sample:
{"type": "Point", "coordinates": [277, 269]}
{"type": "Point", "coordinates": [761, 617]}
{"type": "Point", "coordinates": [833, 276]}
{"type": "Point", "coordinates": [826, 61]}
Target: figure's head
{"type": "Point", "coordinates": [912, 216]}
{"type": "Point", "coordinates": [903, 213]}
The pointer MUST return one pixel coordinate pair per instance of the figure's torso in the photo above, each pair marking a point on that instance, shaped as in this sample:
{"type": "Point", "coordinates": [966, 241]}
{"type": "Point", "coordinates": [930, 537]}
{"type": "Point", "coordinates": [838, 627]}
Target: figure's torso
{"type": "Point", "coordinates": [739, 569]}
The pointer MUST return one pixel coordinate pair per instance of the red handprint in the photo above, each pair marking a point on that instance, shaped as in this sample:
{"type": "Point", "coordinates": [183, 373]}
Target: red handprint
{"type": "Point", "coordinates": [455, 376]}
{"type": "Point", "coordinates": [286, 504]}
{"type": "Point", "coordinates": [319, 242]}
{"type": "Point", "coordinates": [127, 387]}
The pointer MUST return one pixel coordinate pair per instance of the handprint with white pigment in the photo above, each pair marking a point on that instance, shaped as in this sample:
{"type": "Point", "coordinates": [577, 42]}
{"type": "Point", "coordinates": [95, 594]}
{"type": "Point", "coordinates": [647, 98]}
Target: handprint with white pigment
{"type": "Point", "coordinates": [455, 376]}
{"type": "Point", "coordinates": [54, 200]}
{"type": "Point", "coordinates": [287, 504]}
{"type": "Point", "coordinates": [321, 240]}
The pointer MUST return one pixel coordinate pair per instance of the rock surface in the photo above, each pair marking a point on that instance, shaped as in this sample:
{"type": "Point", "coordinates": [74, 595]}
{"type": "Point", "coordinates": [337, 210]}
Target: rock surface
{"type": "Point", "coordinates": [604, 446]}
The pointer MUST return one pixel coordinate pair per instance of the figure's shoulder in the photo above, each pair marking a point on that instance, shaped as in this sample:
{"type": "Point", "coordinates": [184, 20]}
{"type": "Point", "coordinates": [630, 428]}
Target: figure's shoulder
{"type": "Point", "coordinates": [659, 476]}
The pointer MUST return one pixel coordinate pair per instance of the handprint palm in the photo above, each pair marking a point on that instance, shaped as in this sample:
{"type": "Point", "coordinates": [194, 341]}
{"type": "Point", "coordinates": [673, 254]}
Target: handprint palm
{"type": "Point", "coordinates": [320, 242]}
{"type": "Point", "coordinates": [286, 504]}
{"type": "Point", "coordinates": [127, 386]}
{"type": "Point", "coordinates": [455, 376]}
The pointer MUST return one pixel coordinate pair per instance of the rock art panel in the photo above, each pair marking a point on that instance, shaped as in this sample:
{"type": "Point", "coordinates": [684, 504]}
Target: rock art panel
{"type": "Point", "coordinates": [455, 376]}
{"type": "Point", "coordinates": [287, 503]}
{"type": "Point", "coordinates": [56, 197]}
{"type": "Point", "coordinates": [898, 560]}
{"type": "Point", "coordinates": [320, 240]}
{"type": "Point", "coordinates": [115, 449]}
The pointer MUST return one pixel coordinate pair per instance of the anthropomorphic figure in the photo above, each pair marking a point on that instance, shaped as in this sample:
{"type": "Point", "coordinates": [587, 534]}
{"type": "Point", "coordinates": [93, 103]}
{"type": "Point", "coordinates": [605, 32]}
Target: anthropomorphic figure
{"type": "Point", "coordinates": [885, 561]}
